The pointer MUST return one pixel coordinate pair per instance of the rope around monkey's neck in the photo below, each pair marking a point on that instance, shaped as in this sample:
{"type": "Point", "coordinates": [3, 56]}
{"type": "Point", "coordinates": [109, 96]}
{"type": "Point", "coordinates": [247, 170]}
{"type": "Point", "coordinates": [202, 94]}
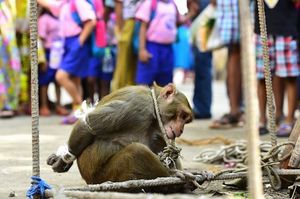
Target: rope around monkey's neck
{"type": "Point", "coordinates": [171, 152]}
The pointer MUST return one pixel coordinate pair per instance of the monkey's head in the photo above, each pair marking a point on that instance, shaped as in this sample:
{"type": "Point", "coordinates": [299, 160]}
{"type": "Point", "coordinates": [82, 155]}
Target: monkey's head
{"type": "Point", "coordinates": [175, 110]}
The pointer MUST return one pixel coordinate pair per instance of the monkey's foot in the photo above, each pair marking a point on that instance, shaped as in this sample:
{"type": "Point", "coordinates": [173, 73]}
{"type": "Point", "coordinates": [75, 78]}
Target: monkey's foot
{"type": "Point", "coordinates": [58, 164]}
{"type": "Point", "coordinates": [62, 160]}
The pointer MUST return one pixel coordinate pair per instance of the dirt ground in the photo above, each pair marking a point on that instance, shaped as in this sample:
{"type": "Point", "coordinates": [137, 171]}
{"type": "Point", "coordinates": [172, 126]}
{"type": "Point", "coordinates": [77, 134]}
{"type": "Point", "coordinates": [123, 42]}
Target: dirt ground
{"type": "Point", "coordinates": [16, 155]}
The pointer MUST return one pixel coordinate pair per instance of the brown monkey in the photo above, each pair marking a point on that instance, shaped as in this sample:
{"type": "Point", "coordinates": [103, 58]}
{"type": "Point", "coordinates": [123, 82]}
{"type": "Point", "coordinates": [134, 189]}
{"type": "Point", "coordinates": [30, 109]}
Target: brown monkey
{"type": "Point", "coordinates": [120, 139]}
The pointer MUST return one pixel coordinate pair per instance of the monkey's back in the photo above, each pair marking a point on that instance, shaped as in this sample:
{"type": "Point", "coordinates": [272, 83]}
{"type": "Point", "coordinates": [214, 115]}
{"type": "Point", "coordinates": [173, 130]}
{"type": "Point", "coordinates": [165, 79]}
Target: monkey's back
{"type": "Point", "coordinates": [122, 118]}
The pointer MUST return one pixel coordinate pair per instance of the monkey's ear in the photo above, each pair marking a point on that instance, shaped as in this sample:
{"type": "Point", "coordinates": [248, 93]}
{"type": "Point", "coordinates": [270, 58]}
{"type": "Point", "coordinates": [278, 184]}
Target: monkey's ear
{"type": "Point", "coordinates": [168, 92]}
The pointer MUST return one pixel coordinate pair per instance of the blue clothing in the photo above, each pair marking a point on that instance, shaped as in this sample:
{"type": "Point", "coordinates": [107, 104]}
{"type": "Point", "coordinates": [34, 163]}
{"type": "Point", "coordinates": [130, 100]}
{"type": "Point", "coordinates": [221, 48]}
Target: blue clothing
{"type": "Point", "coordinates": [182, 49]}
{"type": "Point", "coordinates": [202, 98]}
{"type": "Point", "coordinates": [203, 4]}
{"type": "Point", "coordinates": [45, 78]}
{"type": "Point", "coordinates": [96, 63]}
{"type": "Point", "coordinates": [160, 66]}
{"type": "Point", "coordinates": [75, 59]}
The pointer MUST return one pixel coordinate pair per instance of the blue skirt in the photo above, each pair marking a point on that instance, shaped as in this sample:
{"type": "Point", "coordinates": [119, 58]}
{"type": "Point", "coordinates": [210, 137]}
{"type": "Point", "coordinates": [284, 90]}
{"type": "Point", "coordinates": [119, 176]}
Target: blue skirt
{"type": "Point", "coordinates": [76, 58]}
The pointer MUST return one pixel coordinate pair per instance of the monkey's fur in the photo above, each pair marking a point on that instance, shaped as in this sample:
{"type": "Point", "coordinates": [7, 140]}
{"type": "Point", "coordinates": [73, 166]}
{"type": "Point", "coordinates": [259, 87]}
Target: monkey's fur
{"type": "Point", "coordinates": [121, 137]}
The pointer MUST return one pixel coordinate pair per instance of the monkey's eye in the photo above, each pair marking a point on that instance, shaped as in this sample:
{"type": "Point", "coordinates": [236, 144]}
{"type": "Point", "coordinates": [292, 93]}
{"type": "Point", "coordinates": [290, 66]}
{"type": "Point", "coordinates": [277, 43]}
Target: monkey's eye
{"type": "Point", "coordinates": [184, 115]}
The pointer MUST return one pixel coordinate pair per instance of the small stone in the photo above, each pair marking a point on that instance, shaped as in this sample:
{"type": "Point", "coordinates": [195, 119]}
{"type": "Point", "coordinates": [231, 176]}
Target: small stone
{"type": "Point", "coordinates": [12, 194]}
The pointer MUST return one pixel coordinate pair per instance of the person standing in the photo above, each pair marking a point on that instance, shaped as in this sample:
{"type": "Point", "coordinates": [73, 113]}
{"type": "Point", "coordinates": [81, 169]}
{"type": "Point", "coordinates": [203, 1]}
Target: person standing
{"type": "Point", "coordinates": [126, 60]}
{"type": "Point", "coordinates": [76, 55]}
{"type": "Point", "coordinates": [227, 19]}
{"type": "Point", "coordinates": [10, 63]}
{"type": "Point", "coordinates": [202, 98]}
{"type": "Point", "coordinates": [282, 20]}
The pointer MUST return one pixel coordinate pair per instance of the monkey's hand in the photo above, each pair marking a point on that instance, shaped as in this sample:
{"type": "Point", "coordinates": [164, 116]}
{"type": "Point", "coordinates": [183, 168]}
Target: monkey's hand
{"type": "Point", "coordinates": [58, 164]}
{"type": "Point", "coordinates": [184, 175]}
{"type": "Point", "coordinates": [192, 180]}
{"type": "Point", "coordinates": [62, 160]}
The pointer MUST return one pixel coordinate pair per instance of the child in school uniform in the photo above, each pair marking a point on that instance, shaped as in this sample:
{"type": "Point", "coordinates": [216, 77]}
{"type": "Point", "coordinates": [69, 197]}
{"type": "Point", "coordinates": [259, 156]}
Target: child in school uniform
{"type": "Point", "coordinates": [101, 68]}
{"type": "Point", "coordinates": [281, 20]}
{"type": "Point", "coordinates": [76, 55]}
{"type": "Point", "coordinates": [48, 27]}
{"type": "Point", "coordinates": [156, 60]}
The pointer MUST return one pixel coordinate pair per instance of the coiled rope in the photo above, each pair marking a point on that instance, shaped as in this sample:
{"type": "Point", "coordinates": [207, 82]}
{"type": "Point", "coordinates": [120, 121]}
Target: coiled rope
{"type": "Point", "coordinates": [236, 153]}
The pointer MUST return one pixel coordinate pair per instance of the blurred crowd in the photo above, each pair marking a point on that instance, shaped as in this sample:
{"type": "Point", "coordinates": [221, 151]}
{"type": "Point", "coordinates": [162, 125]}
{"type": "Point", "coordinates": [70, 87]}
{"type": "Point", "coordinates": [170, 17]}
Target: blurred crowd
{"type": "Point", "coordinates": [93, 47]}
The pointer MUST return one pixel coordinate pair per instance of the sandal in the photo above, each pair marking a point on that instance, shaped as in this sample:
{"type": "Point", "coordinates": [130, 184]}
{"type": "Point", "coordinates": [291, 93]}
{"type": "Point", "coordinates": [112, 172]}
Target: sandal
{"type": "Point", "coordinates": [70, 119]}
{"type": "Point", "coordinates": [263, 130]}
{"type": "Point", "coordinates": [285, 130]}
{"type": "Point", "coordinates": [226, 121]}
{"type": "Point", "coordinates": [5, 114]}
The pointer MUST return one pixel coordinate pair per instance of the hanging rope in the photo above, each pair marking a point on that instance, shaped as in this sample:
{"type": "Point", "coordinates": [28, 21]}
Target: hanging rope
{"type": "Point", "coordinates": [38, 186]}
{"type": "Point", "coordinates": [267, 72]}
{"type": "Point", "coordinates": [171, 152]}
{"type": "Point", "coordinates": [34, 88]}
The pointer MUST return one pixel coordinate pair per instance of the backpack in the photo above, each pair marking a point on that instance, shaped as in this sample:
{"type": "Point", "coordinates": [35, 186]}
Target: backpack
{"type": "Point", "coordinates": [98, 36]}
{"type": "Point", "coordinates": [137, 26]}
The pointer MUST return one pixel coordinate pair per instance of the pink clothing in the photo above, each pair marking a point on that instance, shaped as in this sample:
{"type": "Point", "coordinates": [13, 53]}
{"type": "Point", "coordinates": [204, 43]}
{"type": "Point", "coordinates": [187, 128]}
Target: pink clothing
{"type": "Point", "coordinates": [162, 28]}
{"type": "Point", "coordinates": [62, 9]}
{"type": "Point", "coordinates": [48, 27]}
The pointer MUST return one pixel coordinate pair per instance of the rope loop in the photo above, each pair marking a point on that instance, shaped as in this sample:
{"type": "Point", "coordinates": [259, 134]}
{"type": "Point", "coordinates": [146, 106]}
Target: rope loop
{"type": "Point", "coordinates": [171, 152]}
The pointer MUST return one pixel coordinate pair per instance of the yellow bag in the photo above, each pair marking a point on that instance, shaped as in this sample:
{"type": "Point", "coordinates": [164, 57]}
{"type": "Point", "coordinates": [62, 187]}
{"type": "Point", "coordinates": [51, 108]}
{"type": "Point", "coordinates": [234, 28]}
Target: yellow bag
{"type": "Point", "coordinates": [202, 27]}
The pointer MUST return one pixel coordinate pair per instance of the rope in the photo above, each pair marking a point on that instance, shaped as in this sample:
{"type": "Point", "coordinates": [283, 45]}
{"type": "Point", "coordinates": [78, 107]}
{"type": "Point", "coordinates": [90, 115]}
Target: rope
{"type": "Point", "coordinates": [234, 153]}
{"type": "Point", "coordinates": [171, 152]}
{"type": "Point", "coordinates": [267, 72]}
{"type": "Point", "coordinates": [34, 88]}
{"type": "Point", "coordinates": [38, 187]}
{"type": "Point", "coordinates": [237, 154]}
{"type": "Point", "coordinates": [228, 174]}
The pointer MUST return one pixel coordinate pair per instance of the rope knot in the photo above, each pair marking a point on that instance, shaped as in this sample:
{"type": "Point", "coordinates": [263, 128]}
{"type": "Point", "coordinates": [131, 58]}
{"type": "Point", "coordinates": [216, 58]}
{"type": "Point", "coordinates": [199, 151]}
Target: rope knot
{"type": "Point", "coordinates": [169, 156]}
{"type": "Point", "coordinates": [38, 186]}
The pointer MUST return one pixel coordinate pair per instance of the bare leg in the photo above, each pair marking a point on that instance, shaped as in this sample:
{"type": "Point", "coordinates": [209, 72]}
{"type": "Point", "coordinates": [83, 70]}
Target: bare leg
{"type": "Point", "coordinates": [104, 88]}
{"type": "Point", "coordinates": [291, 87]}
{"type": "Point", "coordinates": [44, 110]}
{"type": "Point", "coordinates": [262, 99]}
{"type": "Point", "coordinates": [91, 88]}
{"type": "Point", "coordinates": [234, 79]}
{"type": "Point", "coordinates": [60, 110]}
{"type": "Point", "coordinates": [278, 87]}
{"type": "Point", "coordinates": [71, 85]}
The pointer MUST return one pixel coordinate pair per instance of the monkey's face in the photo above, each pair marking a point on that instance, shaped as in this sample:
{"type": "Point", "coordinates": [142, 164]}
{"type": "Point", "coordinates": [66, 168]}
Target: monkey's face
{"type": "Point", "coordinates": [175, 111]}
{"type": "Point", "coordinates": [175, 127]}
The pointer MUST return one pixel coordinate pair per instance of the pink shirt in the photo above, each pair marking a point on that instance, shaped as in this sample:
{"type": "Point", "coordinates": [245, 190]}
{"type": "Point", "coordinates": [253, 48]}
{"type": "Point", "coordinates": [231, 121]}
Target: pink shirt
{"type": "Point", "coordinates": [162, 28]}
{"type": "Point", "coordinates": [62, 9]}
{"type": "Point", "coordinates": [48, 27]}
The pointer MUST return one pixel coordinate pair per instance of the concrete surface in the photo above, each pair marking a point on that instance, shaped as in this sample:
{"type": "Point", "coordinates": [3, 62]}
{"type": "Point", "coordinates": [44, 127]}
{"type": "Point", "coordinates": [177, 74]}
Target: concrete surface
{"type": "Point", "coordinates": [15, 146]}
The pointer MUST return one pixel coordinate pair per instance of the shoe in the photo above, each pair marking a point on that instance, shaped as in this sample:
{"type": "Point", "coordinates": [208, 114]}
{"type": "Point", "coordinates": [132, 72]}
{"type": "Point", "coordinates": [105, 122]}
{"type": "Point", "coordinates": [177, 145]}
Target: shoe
{"type": "Point", "coordinates": [227, 121]}
{"type": "Point", "coordinates": [70, 119]}
{"type": "Point", "coordinates": [285, 130]}
{"type": "Point", "coordinates": [263, 130]}
{"type": "Point", "coordinates": [5, 114]}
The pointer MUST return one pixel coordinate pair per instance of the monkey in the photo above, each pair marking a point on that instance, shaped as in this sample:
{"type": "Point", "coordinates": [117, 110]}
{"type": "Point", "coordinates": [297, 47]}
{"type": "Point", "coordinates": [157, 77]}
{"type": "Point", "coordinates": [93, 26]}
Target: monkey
{"type": "Point", "coordinates": [120, 139]}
